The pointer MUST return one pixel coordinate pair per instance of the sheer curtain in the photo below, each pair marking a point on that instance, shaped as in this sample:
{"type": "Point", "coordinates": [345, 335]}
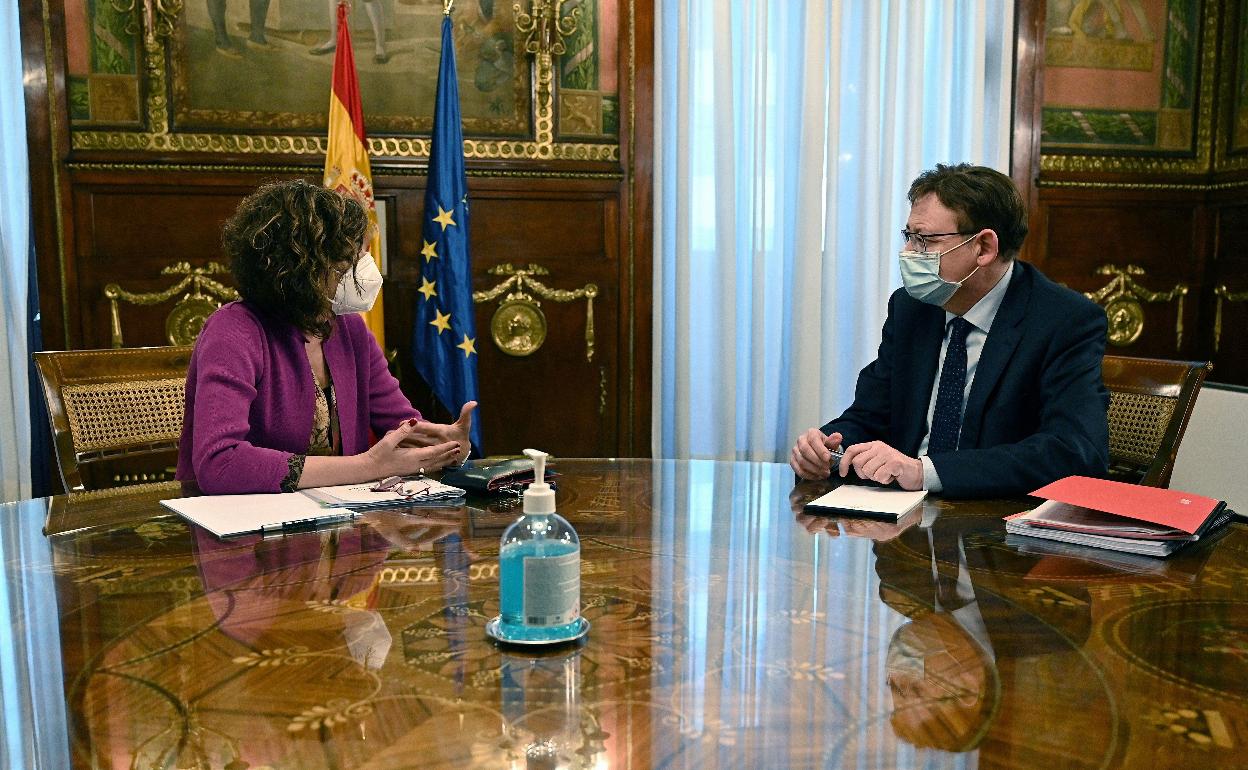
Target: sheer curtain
{"type": "Point", "coordinates": [14, 266]}
{"type": "Point", "coordinates": [787, 134]}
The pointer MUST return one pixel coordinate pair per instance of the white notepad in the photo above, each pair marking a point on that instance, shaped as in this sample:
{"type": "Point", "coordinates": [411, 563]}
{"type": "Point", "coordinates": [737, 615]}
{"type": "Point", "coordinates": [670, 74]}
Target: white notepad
{"type": "Point", "coordinates": [869, 502]}
{"type": "Point", "coordinates": [227, 515]}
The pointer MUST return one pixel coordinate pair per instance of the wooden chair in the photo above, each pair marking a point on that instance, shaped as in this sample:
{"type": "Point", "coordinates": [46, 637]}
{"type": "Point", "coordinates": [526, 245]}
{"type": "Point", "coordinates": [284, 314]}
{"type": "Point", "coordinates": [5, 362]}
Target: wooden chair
{"type": "Point", "coordinates": [1150, 402]}
{"type": "Point", "coordinates": [116, 415]}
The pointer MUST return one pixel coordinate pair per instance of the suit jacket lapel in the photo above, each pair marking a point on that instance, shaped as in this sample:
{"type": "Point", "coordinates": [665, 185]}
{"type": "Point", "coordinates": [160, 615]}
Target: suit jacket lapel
{"type": "Point", "coordinates": [998, 348]}
{"type": "Point", "coordinates": [921, 360]}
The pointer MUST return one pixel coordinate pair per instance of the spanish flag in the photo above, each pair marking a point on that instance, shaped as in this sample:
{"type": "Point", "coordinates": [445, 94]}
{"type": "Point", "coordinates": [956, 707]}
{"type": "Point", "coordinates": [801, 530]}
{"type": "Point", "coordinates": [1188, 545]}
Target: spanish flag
{"type": "Point", "coordinates": [346, 160]}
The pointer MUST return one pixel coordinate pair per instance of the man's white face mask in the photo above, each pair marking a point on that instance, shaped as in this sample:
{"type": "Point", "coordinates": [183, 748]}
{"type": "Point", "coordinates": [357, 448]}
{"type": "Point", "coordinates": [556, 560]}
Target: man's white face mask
{"type": "Point", "coordinates": [920, 274]}
{"type": "Point", "coordinates": [357, 293]}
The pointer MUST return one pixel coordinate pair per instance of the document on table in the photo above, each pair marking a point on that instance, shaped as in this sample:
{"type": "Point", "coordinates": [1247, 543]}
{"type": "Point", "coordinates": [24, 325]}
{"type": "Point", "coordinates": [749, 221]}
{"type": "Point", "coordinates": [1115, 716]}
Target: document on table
{"type": "Point", "coordinates": [869, 502]}
{"type": "Point", "coordinates": [417, 491]}
{"type": "Point", "coordinates": [227, 515]}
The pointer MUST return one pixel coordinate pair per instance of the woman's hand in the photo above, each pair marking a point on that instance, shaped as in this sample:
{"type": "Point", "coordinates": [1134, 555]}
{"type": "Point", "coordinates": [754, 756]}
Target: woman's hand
{"type": "Point", "coordinates": [430, 434]}
{"type": "Point", "coordinates": [401, 453]}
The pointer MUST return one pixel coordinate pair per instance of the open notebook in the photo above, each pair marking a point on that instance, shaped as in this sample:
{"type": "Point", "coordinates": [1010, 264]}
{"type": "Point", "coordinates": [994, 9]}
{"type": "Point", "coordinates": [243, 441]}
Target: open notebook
{"type": "Point", "coordinates": [228, 515]}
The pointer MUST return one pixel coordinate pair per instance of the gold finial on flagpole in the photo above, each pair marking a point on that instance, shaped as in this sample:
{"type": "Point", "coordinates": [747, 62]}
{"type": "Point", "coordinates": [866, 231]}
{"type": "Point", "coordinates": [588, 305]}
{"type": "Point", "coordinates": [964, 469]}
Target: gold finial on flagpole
{"type": "Point", "coordinates": [446, 7]}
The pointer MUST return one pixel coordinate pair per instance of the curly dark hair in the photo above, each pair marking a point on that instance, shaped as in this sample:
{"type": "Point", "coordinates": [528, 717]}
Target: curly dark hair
{"type": "Point", "coordinates": [981, 197]}
{"type": "Point", "coordinates": [283, 242]}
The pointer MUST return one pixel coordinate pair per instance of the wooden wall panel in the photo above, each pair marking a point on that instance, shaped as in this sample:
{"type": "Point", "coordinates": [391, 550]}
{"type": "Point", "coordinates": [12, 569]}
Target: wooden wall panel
{"type": "Point", "coordinates": [557, 398]}
{"type": "Point", "coordinates": [1229, 349]}
{"type": "Point", "coordinates": [1084, 232]}
{"type": "Point", "coordinates": [126, 234]}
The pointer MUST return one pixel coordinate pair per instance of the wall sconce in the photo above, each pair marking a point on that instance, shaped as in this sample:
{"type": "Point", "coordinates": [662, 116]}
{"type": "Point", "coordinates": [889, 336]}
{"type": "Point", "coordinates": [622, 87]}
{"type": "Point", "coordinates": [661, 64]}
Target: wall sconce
{"type": "Point", "coordinates": [545, 25]}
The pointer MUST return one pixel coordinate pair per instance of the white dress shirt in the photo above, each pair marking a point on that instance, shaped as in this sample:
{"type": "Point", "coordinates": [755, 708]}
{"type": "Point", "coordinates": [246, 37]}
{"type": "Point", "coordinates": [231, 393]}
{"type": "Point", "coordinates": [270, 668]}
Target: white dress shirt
{"type": "Point", "coordinates": [980, 316]}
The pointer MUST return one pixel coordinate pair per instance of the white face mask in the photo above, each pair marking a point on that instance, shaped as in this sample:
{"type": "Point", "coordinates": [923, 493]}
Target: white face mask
{"type": "Point", "coordinates": [920, 274]}
{"type": "Point", "coordinates": [348, 298]}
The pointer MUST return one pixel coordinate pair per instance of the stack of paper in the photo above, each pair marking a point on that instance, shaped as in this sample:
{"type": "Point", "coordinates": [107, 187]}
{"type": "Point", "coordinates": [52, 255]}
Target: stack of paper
{"type": "Point", "coordinates": [1118, 516]}
{"type": "Point", "coordinates": [226, 515]}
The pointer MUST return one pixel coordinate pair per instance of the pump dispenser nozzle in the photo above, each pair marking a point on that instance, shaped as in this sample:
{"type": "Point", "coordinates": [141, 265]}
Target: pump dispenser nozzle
{"type": "Point", "coordinates": [539, 497]}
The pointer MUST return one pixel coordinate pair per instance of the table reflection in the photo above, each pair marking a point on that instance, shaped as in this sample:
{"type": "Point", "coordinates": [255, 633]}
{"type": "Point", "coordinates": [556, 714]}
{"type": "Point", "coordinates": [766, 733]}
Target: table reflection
{"type": "Point", "coordinates": [729, 630]}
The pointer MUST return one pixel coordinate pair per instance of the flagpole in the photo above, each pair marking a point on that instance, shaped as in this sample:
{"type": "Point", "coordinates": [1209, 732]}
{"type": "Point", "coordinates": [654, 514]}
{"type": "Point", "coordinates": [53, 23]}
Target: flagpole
{"type": "Point", "coordinates": [447, 5]}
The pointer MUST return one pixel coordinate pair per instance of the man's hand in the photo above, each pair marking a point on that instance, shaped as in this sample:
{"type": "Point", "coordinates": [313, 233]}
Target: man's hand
{"type": "Point", "coordinates": [811, 458]}
{"type": "Point", "coordinates": [879, 462]}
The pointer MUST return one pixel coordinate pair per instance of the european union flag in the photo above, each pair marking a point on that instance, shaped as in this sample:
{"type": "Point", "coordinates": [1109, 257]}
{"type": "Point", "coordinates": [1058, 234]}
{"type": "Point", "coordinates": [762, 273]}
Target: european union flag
{"type": "Point", "coordinates": [445, 336]}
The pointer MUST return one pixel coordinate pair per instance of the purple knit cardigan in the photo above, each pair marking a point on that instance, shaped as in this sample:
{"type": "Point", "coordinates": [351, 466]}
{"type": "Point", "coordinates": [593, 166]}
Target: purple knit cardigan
{"type": "Point", "coordinates": [250, 396]}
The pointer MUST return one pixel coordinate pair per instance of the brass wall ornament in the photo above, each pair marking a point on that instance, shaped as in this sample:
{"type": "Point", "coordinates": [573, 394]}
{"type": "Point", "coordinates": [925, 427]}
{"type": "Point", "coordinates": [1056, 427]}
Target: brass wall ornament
{"type": "Point", "coordinates": [1223, 293]}
{"type": "Point", "coordinates": [183, 323]}
{"type": "Point", "coordinates": [545, 26]}
{"type": "Point", "coordinates": [1123, 300]}
{"type": "Point", "coordinates": [518, 326]}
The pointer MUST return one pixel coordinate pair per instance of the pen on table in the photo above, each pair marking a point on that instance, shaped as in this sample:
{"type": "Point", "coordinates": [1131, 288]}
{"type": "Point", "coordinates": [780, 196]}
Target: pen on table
{"type": "Point", "coordinates": [306, 525]}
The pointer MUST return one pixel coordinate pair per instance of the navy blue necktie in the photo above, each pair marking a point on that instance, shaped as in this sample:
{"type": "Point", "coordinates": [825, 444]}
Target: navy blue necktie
{"type": "Point", "coordinates": [947, 419]}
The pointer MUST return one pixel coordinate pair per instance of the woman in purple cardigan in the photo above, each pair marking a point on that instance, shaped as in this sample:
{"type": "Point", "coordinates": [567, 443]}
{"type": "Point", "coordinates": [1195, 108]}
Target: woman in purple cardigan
{"type": "Point", "coordinates": [285, 386]}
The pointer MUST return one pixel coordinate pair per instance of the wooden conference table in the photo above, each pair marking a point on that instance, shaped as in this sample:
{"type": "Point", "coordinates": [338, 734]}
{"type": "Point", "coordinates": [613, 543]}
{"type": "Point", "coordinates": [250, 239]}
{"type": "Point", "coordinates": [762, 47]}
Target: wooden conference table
{"type": "Point", "coordinates": [728, 631]}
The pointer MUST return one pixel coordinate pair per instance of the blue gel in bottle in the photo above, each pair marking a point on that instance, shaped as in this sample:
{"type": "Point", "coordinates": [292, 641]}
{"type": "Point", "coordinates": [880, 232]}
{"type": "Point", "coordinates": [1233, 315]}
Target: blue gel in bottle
{"type": "Point", "coordinates": [539, 568]}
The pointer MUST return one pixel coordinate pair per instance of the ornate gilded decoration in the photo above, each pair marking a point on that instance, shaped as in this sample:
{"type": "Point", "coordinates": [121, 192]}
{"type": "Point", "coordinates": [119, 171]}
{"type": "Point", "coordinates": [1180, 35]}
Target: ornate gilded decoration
{"type": "Point", "coordinates": [187, 317]}
{"type": "Point", "coordinates": [602, 391]}
{"type": "Point", "coordinates": [1223, 293]}
{"type": "Point", "coordinates": [545, 26]}
{"type": "Point", "coordinates": [313, 170]}
{"type": "Point", "coordinates": [1122, 299]}
{"type": "Point", "coordinates": [1080, 184]}
{"type": "Point", "coordinates": [519, 326]}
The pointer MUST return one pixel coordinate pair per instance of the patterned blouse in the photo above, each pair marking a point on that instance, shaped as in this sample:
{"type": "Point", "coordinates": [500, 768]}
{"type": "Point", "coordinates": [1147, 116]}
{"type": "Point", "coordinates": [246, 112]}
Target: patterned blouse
{"type": "Point", "coordinates": [325, 439]}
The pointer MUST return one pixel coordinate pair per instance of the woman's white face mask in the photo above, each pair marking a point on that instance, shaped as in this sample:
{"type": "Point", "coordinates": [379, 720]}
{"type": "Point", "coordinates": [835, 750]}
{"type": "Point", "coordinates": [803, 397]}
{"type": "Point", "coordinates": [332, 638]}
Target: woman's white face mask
{"type": "Point", "coordinates": [357, 293]}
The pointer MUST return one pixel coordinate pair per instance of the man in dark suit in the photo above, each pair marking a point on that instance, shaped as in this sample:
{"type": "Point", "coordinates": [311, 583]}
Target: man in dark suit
{"type": "Point", "coordinates": [988, 377]}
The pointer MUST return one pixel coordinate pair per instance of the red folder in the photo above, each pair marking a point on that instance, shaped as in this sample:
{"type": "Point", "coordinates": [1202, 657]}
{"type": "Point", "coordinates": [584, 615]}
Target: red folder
{"type": "Point", "coordinates": [1168, 507]}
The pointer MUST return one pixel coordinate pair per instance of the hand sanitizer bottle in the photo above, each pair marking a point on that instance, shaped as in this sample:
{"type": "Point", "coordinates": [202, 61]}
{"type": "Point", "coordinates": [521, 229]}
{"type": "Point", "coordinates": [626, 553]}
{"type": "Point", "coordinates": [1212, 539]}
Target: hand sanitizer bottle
{"type": "Point", "coordinates": [539, 570]}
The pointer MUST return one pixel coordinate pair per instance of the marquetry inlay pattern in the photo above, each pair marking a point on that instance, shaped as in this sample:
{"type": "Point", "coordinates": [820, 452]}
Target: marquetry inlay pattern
{"type": "Point", "coordinates": [729, 629]}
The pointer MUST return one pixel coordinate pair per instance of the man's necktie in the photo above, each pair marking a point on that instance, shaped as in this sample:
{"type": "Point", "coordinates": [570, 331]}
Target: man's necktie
{"type": "Point", "coordinates": [947, 419]}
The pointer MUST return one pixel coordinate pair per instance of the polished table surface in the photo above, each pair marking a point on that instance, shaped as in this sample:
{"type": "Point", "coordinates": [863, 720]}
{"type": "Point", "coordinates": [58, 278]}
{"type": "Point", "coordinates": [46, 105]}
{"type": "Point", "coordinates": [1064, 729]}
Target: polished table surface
{"type": "Point", "coordinates": [729, 630]}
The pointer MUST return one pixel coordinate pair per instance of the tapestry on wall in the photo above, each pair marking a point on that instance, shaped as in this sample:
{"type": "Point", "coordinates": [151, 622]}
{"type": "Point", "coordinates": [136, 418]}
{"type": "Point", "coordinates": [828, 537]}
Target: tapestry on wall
{"type": "Point", "coordinates": [264, 66]}
{"type": "Point", "coordinates": [1121, 75]}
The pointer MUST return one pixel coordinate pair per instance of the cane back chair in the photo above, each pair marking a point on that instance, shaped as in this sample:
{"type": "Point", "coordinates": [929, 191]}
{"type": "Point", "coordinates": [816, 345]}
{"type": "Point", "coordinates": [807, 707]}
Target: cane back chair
{"type": "Point", "coordinates": [116, 415]}
{"type": "Point", "coordinates": [1150, 402]}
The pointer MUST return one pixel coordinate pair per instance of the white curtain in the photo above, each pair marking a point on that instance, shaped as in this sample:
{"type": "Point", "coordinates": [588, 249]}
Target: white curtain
{"type": "Point", "coordinates": [787, 133]}
{"type": "Point", "coordinates": [14, 266]}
